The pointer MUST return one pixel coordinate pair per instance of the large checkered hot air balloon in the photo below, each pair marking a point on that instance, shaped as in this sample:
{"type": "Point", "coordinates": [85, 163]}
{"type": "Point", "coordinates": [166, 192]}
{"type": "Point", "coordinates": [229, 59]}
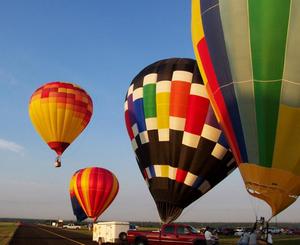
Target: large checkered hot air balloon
{"type": "Point", "coordinates": [60, 111]}
{"type": "Point", "coordinates": [179, 147]}
{"type": "Point", "coordinates": [95, 189]}
{"type": "Point", "coordinates": [248, 54]}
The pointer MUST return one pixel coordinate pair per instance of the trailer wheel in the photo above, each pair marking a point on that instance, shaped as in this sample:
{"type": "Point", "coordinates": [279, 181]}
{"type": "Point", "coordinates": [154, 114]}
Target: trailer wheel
{"type": "Point", "coordinates": [123, 236]}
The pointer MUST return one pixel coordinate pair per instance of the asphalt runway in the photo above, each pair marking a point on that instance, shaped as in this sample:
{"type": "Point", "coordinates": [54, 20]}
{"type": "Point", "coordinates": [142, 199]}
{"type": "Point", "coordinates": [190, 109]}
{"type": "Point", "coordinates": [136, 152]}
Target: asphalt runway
{"type": "Point", "coordinates": [28, 234]}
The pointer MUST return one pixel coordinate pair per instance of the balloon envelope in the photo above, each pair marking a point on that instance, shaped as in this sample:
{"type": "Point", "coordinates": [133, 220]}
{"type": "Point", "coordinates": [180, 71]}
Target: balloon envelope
{"type": "Point", "coordinates": [179, 147]}
{"type": "Point", "coordinates": [77, 209]}
{"type": "Point", "coordinates": [60, 111]}
{"type": "Point", "coordinates": [248, 54]}
{"type": "Point", "coordinates": [95, 189]}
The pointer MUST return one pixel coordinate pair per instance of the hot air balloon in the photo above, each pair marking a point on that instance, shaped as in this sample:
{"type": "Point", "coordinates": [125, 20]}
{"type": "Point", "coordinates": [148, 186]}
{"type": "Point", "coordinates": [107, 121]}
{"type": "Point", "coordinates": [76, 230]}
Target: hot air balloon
{"type": "Point", "coordinates": [60, 111]}
{"type": "Point", "coordinates": [77, 209]}
{"type": "Point", "coordinates": [248, 54]}
{"type": "Point", "coordinates": [95, 189]}
{"type": "Point", "coordinates": [179, 147]}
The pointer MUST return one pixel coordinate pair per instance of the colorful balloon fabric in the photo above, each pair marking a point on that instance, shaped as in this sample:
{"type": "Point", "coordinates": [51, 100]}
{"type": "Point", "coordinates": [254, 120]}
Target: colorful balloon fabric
{"type": "Point", "coordinates": [60, 111]}
{"type": "Point", "coordinates": [248, 54]}
{"type": "Point", "coordinates": [95, 189]}
{"type": "Point", "coordinates": [179, 147]}
{"type": "Point", "coordinates": [77, 209]}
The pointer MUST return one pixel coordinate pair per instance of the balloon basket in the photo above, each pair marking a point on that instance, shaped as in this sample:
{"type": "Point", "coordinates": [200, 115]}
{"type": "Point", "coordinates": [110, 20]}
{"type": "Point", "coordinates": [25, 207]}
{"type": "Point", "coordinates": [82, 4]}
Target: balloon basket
{"type": "Point", "coordinates": [57, 163]}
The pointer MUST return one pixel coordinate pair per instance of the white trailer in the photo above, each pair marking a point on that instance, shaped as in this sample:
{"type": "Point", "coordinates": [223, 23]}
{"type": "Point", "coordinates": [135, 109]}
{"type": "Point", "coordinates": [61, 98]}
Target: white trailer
{"type": "Point", "coordinates": [110, 232]}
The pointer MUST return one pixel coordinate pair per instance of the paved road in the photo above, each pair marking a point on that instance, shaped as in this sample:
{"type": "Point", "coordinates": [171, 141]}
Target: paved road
{"type": "Point", "coordinates": [46, 235]}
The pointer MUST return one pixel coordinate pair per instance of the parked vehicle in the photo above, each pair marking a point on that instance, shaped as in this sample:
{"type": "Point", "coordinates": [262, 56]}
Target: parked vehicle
{"type": "Point", "coordinates": [110, 232]}
{"type": "Point", "coordinates": [295, 231]}
{"type": "Point", "coordinates": [274, 230]}
{"type": "Point", "coordinates": [132, 227]}
{"type": "Point", "coordinates": [60, 223]}
{"type": "Point", "coordinates": [239, 231]}
{"type": "Point", "coordinates": [226, 231]}
{"type": "Point", "coordinates": [292, 231]}
{"type": "Point", "coordinates": [175, 234]}
{"type": "Point", "coordinates": [72, 226]}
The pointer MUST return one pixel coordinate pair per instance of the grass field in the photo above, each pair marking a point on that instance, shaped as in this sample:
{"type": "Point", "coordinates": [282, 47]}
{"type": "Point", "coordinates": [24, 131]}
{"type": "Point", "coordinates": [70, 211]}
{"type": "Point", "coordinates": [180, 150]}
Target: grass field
{"type": "Point", "coordinates": [6, 231]}
{"type": "Point", "coordinates": [84, 231]}
{"type": "Point", "coordinates": [278, 240]}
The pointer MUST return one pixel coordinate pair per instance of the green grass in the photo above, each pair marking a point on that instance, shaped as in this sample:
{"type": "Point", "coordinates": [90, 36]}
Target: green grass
{"type": "Point", "coordinates": [6, 232]}
{"type": "Point", "coordinates": [228, 241]}
{"type": "Point", "coordinates": [84, 231]}
{"type": "Point", "coordinates": [287, 240]}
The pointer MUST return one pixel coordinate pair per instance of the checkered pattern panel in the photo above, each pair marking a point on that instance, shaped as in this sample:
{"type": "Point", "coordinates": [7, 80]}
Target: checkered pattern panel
{"type": "Point", "coordinates": [66, 95]}
{"type": "Point", "coordinates": [173, 130]}
{"type": "Point", "coordinates": [176, 174]}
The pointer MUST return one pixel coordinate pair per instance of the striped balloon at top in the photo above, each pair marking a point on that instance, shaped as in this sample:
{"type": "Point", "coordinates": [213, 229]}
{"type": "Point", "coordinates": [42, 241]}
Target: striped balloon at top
{"type": "Point", "coordinates": [95, 189]}
{"type": "Point", "coordinates": [248, 53]}
{"type": "Point", "coordinates": [60, 111]}
{"type": "Point", "coordinates": [180, 149]}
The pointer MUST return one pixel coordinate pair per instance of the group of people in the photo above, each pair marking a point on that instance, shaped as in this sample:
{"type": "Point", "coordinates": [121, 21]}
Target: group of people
{"type": "Point", "coordinates": [259, 234]}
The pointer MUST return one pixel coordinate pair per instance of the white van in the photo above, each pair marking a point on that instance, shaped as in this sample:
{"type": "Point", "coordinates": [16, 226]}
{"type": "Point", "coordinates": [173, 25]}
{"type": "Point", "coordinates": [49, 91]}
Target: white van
{"type": "Point", "coordinates": [110, 232]}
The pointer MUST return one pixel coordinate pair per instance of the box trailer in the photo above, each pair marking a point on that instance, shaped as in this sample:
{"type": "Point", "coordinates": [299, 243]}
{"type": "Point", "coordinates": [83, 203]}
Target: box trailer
{"type": "Point", "coordinates": [110, 232]}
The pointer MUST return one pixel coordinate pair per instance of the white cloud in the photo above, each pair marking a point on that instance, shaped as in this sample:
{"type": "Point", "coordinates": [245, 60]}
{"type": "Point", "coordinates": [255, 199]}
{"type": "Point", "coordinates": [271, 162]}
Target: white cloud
{"type": "Point", "coordinates": [10, 146]}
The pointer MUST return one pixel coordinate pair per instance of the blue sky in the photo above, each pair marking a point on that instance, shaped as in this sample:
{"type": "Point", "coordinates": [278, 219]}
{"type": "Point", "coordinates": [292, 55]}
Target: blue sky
{"type": "Point", "coordinates": [100, 45]}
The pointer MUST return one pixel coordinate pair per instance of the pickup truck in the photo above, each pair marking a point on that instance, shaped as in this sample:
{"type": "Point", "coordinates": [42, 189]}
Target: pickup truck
{"type": "Point", "coordinates": [175, 234]}
{"type": "Point", "coordinates": [72, 226]}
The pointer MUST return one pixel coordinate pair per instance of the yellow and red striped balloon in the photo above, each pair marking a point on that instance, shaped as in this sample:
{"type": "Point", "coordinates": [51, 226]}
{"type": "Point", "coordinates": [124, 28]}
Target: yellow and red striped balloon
{"type": "Point", "coordinates": [77, 209]}
{"type": "Point", "coordinates": [95, 189]}
{"type": "Point", "coordinates": [60, 111]}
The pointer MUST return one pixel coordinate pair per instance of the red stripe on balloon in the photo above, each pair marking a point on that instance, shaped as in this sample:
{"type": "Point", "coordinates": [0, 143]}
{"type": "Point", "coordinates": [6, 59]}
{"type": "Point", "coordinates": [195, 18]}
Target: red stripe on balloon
{"type": "Point", "coordinates": [112, 196]}
{"type": "Point", "coordinates": [216, 94]}
{"type": "Point", "coordinates": [180, 175]}
{"type": "Point", "coordinates": [128, 125]}
{"type": "Point", "coordinates": [78, 186]}
{"type": "Point", "coordinates": [145, 175]}
{"type": "Point", "coordinates": [196, 114]}
{"type": "Point", "coordinates": [115, 182]}
{"type": "Point", "coordinates": [93, 176]}
{"type": "Point", "coordinates": [129, 116]}
{"type": "Point", "coordinates": [105, 181]}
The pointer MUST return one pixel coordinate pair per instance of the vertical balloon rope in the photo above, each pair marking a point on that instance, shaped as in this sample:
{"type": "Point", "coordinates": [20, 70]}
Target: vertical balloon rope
{"type": "Point", "coordinates": [254, 206]}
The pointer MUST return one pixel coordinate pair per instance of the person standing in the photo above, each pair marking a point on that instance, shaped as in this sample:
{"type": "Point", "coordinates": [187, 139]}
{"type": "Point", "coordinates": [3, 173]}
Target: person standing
{"type": "Point", "coordinates": [244, 240]}
{"type": "Point", "coordinates": [269, 238]}
{"type": "Point", "coordinates": [253, 238]}
{"type": "Point", "coordinates": [208, 236]}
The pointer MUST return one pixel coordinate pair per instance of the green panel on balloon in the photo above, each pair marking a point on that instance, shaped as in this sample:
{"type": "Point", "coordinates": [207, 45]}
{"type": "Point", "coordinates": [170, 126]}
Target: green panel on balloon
{"type": "Point", "coordinates": [268, 31]}
{"type": "Point", "coordinates": [150, 100]}
{"type": "Point", "coordinates": [267, 95]}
